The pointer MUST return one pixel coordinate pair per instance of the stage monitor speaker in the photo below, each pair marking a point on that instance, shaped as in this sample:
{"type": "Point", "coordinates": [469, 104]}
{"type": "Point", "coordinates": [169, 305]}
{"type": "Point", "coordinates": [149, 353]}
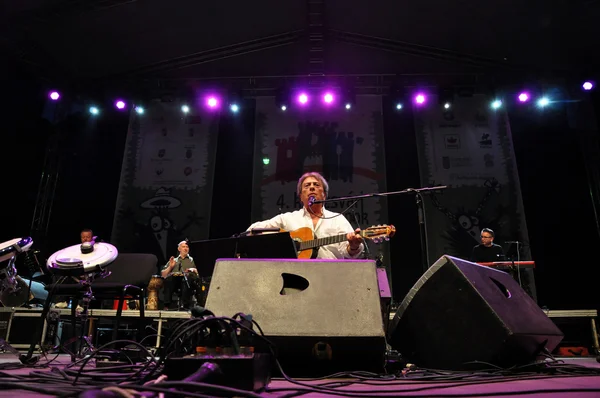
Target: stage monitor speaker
{"type": "Point", "coordinates": [324, 316]}
{"type": "Point", "coordinates": [460, 314]}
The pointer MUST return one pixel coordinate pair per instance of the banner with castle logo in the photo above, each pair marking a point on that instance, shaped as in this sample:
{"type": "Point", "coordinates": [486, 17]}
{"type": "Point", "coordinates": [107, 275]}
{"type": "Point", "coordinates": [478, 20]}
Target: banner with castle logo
{"type": "Point", "coordinates": [166, 182]}
{"type": "Point", "coordinates": [346, 146]}
{"type": "Point", "coordinates": [469, 148]}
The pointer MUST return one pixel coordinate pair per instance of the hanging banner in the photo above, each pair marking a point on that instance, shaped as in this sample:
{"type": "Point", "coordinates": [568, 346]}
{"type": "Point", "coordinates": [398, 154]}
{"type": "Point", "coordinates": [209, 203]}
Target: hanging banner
{"type": "Point", "coordinates": [469, 148]}
{"type": "Point", "coordinates": [166, 180]}
{"type": "Point", "coordinates": [345, 146]}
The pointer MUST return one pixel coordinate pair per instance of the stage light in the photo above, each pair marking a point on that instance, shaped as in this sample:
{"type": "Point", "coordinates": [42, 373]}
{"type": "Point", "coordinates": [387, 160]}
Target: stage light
{"type": "Point", "coordinates": [587, 86]}
{"type": "Point", "coordinates": [266, 161]}
{"type": "Point", "coordinates": [54, 95]}
{"type": "Point", "coordinates": [446, 97]}
{"type": "Point", "coordinates": [496, 104]}
{"type": "Point", "coordinates": [120, 104]}
{"type": "Point", "coordinates": [542, 102]}
{"type": "Point", "coordinates": [398, 106]}
{"type": "Point", "coordinates": [328, 98]}
{"type": "Point", "coordinates": [94, 110]}
{"type": "Point", "coordinates": [234, 108]}
{"type": "Point", "coordinates": [420, 99]}
{"type": "Point", "coordinates": [282, 98]}
{"type": "Point", "coordinates": [524, 97]}
{"type": "Point", "coordinates": [185, 108]}
{"type": "Point", "coordinates": [212, 102]}
{"type": "Point", "coordinates": [303, 98]}
{"type": "Point", "coordinates": [348, 98]}
{"type": "Point", "coordinates": [139, 110]}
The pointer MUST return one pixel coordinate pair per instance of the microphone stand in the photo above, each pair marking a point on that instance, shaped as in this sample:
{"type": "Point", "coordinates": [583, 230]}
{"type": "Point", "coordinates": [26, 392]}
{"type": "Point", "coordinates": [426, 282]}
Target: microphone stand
{"type": "Point", "coordinates": [366, 246]}
{"type": "Point", "coordinates": [420, 208]}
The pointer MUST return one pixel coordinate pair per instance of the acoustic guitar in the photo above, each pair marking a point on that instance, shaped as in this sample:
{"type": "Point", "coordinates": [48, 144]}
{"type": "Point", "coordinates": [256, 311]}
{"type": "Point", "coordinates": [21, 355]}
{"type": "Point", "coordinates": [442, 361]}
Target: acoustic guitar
{"type": "Point", "coordinates": [308, 246]}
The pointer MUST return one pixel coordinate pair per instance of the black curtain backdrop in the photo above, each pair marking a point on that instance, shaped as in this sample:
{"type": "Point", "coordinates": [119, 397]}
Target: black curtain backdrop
{"type": "Point", "coordinates": [558, 208]}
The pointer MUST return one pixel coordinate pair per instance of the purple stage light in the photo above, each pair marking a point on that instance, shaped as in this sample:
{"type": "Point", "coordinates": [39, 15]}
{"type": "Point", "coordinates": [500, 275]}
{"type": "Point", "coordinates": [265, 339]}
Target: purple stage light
{"type": "Point", "coordinates": [54, 95]}
{"type": "Point", "coordinates": [420, 99]}
{"type": "Point", "coordinates": [120, 104]}
{"type": "Point", "coordinates": [588, 86]}
{"type": "Point", "coordinates": [303, 98]}
{"type": "Point", "coordinates": [328, 98]}
{"type": "Point", "coordinates": [212, 102]}
{"type": "Point", "coordinates": [524, 97]}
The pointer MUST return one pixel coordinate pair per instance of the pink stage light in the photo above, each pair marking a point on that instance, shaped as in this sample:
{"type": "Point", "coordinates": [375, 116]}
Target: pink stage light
{"type": "Point", "coordinates": [328, 98]}
{"type": "Point", "coordinates": [120, 104]}
{"type": "Point", "coordinates": [303, 98]}
{"type": "Point", "coordinates": [524, 97]}
{"type": "Point", "coordinates": [420, 99]}
{"type": "Point", "coordinates": [588, 86]}
{"type": "Point", "coordinates": [212, 102]}
{"type": "Point", "coordinates": [54, 95]}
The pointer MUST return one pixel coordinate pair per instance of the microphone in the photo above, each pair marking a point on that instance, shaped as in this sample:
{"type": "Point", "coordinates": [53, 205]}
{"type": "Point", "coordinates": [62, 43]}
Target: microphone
{"type": "Point", "coordinates": [311, 201]}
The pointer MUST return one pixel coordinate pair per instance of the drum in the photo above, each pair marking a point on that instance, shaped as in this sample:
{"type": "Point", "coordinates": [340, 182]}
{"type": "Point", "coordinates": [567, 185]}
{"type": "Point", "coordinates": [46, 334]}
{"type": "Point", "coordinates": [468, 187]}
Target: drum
{"type": "Point", "coordinates": [156, 283]}
{"type": "Point", "coordinates": [72, 262]}
{"type": "Point", "coordinates": [9, 248]}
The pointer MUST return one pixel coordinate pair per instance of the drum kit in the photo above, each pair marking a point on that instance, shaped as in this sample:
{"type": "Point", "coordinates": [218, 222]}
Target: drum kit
{"type": "Point", "coordinates": [84, 262]}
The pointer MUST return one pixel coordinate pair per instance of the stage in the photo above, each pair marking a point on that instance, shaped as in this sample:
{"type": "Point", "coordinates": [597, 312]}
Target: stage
{"type": "Point", "coordinates": [572, 382]}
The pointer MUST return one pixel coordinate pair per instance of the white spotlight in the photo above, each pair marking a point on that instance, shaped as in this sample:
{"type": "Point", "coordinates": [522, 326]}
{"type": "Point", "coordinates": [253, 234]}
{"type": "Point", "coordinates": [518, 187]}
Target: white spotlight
{"type": "Point", "coordinates": [542, 102]}
{"type": "Point", "coordinates": [185, 108]}
{"type": "Point", "coordinates": [496, 104]}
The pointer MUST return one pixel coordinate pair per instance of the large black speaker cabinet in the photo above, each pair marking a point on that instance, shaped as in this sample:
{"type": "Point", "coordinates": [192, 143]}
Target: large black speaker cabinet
{"type": "Point", "coordinates": [459, 314]}
{"type": "Point", "coordinates": [324, 316]}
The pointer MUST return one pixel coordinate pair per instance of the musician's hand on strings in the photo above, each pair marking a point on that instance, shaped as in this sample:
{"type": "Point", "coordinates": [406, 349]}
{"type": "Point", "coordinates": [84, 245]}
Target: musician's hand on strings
{"type": "Point", "coordinates": [354, 240]}
{"type": "Point", "coordinates": [194, 270]}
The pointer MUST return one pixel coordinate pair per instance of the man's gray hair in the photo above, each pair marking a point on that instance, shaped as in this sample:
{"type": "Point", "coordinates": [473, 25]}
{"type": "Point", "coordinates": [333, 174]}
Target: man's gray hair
{"type": "Point", "coordinates": [318, 177]}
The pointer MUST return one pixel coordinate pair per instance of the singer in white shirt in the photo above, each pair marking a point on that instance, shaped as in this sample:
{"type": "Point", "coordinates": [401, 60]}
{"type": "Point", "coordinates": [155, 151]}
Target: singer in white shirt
{"type": "Point", "coordinates": [324, 223]}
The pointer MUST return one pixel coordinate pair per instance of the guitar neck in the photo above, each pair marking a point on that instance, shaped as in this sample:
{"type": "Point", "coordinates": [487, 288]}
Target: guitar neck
{"type": "Point", "coordinates": [330, 240]}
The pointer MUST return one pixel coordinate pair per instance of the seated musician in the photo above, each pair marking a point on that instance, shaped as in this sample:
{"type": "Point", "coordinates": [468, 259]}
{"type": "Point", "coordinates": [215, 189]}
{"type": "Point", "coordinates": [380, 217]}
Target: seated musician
{"type": "Point", "coordinates": [180, 272]}
{"type": "Point", "coordinates": [487, 251]}
{"type": "Point", "coordinates": [323, 222]}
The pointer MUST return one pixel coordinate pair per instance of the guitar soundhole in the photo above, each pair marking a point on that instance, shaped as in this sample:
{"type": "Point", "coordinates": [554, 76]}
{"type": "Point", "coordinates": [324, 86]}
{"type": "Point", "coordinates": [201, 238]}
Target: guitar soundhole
{"type": "Point", "coordinates": [293, 284]}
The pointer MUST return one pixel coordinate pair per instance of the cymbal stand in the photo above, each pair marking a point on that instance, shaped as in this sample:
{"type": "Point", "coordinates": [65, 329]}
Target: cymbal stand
{"type": "Point", "coordinates": [88, 295]}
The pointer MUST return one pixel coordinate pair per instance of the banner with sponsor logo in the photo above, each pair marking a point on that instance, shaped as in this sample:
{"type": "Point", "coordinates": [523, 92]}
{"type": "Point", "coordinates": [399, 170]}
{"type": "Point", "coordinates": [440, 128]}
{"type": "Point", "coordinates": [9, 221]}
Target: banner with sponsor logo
{"type": "Point", "coordinates": [469, 148]}
{"type": "Point", "coordinates": [346, 146]}
{"type": "Point", "coordinates": [166, 182]}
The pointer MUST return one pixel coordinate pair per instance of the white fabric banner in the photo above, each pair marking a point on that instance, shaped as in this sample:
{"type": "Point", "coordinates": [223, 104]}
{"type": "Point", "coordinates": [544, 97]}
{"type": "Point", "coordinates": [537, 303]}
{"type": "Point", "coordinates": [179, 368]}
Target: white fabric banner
{"type": "Point", "coordinates": [166, 180]}
{"type": "Point", "coordinates": [469, 148]}
{"type": "Point", "coordinates": [346, 146]}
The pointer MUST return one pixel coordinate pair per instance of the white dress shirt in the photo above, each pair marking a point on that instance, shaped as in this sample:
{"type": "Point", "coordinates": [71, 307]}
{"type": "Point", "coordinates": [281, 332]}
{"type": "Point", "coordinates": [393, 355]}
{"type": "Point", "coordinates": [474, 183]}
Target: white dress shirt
{"type": "Point", "coordinates": [325, 227]}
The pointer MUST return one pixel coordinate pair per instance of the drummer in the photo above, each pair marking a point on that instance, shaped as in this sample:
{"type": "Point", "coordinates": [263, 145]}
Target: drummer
{"type": "Point", "coordinates": [86, 235]}
{"type": "Point", "coordinates": [180, 272]}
